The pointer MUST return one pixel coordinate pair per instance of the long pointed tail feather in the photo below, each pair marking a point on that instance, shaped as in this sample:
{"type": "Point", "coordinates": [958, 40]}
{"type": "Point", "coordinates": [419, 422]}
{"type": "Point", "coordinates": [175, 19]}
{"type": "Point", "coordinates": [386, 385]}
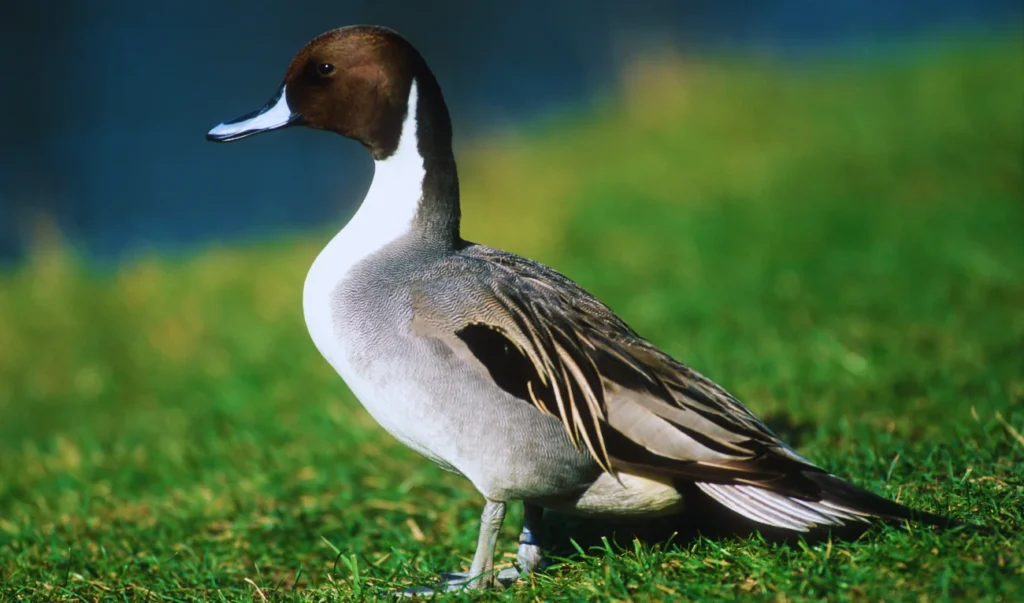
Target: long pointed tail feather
{"type": "Point", "coordinates": [835, 488]}
{"type": "Point", "coordinates": [837, 503]}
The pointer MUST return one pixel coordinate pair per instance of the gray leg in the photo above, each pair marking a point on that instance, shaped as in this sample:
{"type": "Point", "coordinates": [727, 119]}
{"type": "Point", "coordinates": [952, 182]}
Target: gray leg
{"type": "Point", "coordinates": [481, 572]}
{"type": "Point", "coordinates": [530, 556]}
{"type": "Point", "coordinates": [529, 559]}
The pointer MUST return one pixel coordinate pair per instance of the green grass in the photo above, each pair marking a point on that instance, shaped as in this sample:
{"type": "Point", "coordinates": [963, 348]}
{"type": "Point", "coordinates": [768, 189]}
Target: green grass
{"type": "Point", "coordinates": [841, 245]}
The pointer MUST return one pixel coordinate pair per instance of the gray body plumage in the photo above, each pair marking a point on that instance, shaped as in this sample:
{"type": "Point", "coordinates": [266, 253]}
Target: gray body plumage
{"type": "Point", "coordinates": [508, 449]}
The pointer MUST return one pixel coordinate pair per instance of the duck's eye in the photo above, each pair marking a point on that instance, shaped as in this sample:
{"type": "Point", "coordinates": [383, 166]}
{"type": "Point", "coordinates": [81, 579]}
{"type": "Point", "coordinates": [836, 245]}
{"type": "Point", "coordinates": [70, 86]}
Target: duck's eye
{"type": "Point", "coordinates": [324, 69]}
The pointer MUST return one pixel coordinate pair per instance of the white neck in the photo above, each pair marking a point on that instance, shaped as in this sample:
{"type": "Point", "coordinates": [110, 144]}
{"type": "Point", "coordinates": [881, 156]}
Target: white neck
{"type": "Point", "coordinates": [390, 205]}
{"type": "Point", "coordinates": [385, 215]}
{"type": "Point", "coordinates": [394, 197]}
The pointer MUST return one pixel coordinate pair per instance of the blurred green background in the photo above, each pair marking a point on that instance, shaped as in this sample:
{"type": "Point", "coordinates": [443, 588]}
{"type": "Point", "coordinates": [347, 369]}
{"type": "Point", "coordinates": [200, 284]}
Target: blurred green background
{"type": "Point", "coordinates": [839, 242]}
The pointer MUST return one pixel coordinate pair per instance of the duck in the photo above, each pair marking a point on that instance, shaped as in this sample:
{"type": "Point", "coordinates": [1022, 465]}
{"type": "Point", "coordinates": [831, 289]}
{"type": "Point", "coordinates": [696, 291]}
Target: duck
{"type": "Point", "coordinates": [499, 368]}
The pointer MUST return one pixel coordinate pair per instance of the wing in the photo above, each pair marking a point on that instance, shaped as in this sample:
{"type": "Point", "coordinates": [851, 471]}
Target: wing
{"type": "Point", "coordinates": [545, 340]}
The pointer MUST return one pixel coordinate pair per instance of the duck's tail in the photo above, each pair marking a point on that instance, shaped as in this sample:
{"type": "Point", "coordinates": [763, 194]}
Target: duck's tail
{"type": "Point", "coordinates": [836, 503]}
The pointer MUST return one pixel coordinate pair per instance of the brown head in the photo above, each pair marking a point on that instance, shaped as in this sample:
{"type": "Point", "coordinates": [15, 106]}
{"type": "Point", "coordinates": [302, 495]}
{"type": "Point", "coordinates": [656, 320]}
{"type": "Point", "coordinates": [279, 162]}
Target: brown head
{"type": "Point", "coordinates": [371, 85]}
{"type": "Point", "coordinates": [354, 81]}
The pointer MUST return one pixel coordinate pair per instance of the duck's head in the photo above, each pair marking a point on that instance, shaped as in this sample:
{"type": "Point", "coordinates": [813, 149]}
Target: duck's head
{"type": "Point", "coordinates": [354, 81]}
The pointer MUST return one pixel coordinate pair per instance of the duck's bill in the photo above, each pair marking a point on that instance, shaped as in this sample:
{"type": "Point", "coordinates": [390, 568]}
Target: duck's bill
{"type": "Point", "coordinates": [275, 115]}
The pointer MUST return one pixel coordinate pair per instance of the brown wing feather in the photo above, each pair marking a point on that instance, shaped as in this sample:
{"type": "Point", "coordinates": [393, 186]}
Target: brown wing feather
{"type": "Point", "coordinates": [573, 358]}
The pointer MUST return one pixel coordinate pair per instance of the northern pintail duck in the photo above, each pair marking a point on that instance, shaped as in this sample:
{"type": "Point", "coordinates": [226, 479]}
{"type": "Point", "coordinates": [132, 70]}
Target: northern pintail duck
{"type": "Point", "coordinates": [497, 367]}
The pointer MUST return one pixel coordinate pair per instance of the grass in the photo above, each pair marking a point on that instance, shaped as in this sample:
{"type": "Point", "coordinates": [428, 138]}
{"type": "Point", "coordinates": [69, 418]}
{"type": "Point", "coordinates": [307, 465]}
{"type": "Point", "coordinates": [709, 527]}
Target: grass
{"type": "Point", "coordinates": [839, 244]}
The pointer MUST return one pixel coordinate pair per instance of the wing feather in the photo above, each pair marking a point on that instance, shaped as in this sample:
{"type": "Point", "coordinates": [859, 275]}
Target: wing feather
{"type": "Point", "coordinates": [589, 370]}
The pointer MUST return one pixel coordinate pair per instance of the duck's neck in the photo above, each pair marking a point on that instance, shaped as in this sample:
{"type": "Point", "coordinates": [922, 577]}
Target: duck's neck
{"type": "Point", "coordinates": [438, 216]}
{"type": "Point", "coordinates": [415, 189]}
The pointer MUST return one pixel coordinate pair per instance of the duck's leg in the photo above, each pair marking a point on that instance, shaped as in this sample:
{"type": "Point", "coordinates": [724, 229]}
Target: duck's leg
{"type": "Point", "coordinates": [530, 556]}
{"type": "Point", "coordinates": [481, 572]}
{"type": "Point", "coordinates": [529, 559]}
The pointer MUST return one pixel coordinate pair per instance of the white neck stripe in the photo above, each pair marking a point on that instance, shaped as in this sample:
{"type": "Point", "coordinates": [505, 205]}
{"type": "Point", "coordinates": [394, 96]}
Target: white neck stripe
{"type": "Point", "coordinates": [386, 214]}
{"type": "Point", "coordinates": [390, 205]}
